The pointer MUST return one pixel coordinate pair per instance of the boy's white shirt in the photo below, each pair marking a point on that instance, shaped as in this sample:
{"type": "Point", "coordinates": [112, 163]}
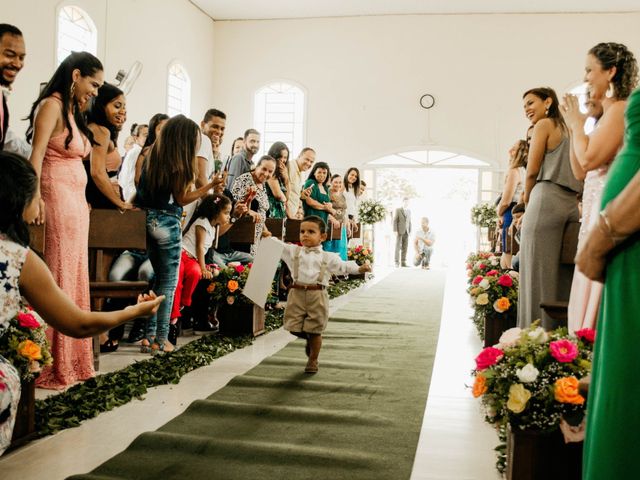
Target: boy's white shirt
{"type": "Point", "coordinates": [310, 262]}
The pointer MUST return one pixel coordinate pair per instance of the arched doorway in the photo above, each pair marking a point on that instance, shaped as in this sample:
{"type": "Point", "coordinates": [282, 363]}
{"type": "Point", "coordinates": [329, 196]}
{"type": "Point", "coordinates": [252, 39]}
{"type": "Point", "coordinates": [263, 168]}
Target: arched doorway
{"type": "Point", "coordinates": [442, 185]}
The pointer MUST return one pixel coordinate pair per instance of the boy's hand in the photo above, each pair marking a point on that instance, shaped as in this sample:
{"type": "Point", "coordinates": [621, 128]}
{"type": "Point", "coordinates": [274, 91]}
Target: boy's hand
{"type": "Point", "coordinates": [365, 268]}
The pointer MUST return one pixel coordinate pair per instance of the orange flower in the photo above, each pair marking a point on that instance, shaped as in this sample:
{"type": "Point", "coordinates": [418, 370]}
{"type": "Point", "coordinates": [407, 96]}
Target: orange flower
{"type": "Point", "coordinates": [502, 304]}
{"type": "Point", "coordinates": [211, 287]}
{"type": "Point", "coordinates": [232, 285]}
{"type": "Point", "coordinates": [30, 350]}
{"type": "Point", "coordinates": [479, 386]}
{"type": "Point", "coordinates": [566, 391]}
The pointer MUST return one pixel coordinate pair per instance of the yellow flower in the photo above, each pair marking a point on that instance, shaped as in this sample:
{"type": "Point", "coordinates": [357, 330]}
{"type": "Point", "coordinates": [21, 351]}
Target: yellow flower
{"type": "Point", "coordinates": [566, 391]}
{"type": "Point", "coordinates": [30, 350]}
{"type": "Point", "coordinates": [232, 285]}
{"type": "Point", "coordinates": [518, 398]}
{"type": "Point", "coordinates": [482, 299]}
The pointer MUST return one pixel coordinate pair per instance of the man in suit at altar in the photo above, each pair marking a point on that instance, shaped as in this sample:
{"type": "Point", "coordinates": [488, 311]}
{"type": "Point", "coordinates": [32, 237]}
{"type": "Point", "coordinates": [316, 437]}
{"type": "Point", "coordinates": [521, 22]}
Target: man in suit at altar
{"type": "Point", "coordinates": [402, 229]}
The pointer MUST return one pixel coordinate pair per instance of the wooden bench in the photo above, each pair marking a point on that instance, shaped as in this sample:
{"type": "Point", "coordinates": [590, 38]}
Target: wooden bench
{"type": "Point", "coordinates": [36, 239]}
{"type": "Point", "coordinates": [277, 227]}
{"type": "Point", "coordinates": [292, 230]}
{"type": "Point", "coordinates": [557, 310]}
{"type": "Point", "coordinates": [243, 231]}
{"type": "Point", "coordinates": [110, 233]}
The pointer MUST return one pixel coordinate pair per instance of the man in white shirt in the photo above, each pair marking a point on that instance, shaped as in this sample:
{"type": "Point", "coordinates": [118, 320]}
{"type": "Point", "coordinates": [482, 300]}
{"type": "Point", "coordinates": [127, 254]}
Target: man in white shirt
{"type": "Point", "coordinates": [12, 55]}
{"type": "Point", "coordinates": [212, 127]}
{"type": "Point", "coordinates": [425, 239]}
{"type": "Point", "coordinates": [301, 164]}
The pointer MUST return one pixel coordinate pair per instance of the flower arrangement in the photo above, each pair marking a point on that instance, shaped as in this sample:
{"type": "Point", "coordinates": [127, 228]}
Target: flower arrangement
{"type": "Point", "coordinates": [228, 282]}
{"type": "Point", "coordinates": [529, 380]}
{"type": "Point", "coordinates": [360, 255]}
{"type": "Point", "coordinates": [24, 344]}
{"type": "Point", "coordinates": [495, 291]}
{"type": "Point", "coordinates": [484, 215]}
{"type": "Point", "coordinates": [371, 211]}
{"type": "Point", "coordinates": [480, 263]}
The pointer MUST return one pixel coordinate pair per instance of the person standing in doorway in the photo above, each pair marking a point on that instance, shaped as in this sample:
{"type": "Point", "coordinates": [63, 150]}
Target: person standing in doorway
{"type": "Point", "coordinates": [402, 229]}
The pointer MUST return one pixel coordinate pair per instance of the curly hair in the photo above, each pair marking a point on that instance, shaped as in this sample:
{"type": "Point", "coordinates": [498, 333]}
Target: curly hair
{"type": "Point", "coordinates": [519, 158]}
{"type": "Point", "coordinates": [618, 55]}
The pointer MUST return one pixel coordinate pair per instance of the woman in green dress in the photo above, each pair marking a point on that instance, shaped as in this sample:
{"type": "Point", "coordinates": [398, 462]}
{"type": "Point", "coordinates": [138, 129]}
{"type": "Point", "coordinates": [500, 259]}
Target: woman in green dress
{"type": "Point", "coordinates": [319, 201]}
{"type": "Point", "coordinates": [278, 185]}
{"type": "Point", "coordinates": [611, 253]}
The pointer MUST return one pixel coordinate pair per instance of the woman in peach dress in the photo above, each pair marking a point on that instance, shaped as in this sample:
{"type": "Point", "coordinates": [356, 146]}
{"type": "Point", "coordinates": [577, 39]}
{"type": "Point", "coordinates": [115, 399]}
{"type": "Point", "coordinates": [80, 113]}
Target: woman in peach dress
{"type": "Point", "coordinates": [611, 76]}
{"type": "Point", "coordinates": [61, 140]}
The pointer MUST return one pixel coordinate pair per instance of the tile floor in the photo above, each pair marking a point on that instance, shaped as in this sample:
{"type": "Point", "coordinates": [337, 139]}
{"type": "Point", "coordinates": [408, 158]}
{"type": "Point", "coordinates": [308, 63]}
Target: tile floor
{"type": "Point", "coordinates": [454, 443]}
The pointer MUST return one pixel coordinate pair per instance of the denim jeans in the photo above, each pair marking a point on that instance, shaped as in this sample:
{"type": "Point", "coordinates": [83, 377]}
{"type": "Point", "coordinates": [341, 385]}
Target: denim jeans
{"type": "Point", "coordinates": [132, 265]}
{"type": "Point", "coordinates": [221, 259]}
{"type": "Point", "coordinates": [164, 246]}
{"type": "Point", "coordinates": [423, 257]}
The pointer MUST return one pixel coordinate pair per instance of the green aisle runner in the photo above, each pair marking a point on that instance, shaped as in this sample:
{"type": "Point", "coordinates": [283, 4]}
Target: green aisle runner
{"type": "Point", "coordinates": [358, 418]}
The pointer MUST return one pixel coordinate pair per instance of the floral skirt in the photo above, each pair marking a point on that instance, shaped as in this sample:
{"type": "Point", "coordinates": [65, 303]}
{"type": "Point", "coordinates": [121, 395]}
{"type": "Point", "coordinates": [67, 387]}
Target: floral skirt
{"type": "Point", "coordinates": [9, 398]}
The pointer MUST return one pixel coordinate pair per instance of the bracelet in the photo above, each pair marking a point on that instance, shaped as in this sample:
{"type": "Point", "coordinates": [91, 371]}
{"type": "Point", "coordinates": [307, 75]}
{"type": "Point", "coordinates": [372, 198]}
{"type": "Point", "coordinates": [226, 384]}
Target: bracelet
{"type": "Point", "coordinates": [616, 239]}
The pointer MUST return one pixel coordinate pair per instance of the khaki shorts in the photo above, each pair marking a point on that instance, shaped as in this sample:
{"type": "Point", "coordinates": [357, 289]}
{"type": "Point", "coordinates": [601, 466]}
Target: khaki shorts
{"type": "Point", "coordinates": [307, 311]}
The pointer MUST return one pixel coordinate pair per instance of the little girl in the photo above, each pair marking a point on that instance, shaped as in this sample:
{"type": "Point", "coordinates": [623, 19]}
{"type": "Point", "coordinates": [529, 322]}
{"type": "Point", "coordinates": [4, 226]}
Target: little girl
{"type": "Point", "coordinates": [164, 187]}
{"type": "Point", "coordinates": [24, 274]}
{"type": "Point", "coordinates": [214, 210]}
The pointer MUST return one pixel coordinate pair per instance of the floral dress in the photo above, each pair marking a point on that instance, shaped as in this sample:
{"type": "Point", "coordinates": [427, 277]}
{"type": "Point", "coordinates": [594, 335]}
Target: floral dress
{"type": "Point", "coordinates": [260, 204]}
{"type": "Point", "coordinates": [12, 257]}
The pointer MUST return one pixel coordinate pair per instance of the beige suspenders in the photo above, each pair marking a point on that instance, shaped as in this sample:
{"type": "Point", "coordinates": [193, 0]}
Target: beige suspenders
{"type": "Point", "coordinates": [296, 266]}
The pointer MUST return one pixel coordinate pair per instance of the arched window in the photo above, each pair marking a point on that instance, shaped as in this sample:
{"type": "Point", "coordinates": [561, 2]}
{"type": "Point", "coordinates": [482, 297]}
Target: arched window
{"type": "Point", "coordinates": [76, 32]}
{"type": "Point", "coordinates": [178, 91]}
{"type": "Point", "coordinates": [279, 116]}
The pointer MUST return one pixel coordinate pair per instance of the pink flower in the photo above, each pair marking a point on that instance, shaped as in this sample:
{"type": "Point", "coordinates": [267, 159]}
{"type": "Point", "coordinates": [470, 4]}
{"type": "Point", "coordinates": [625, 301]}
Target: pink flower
{"type": "Point", "coordinates": [488, 357]}
{"type": "Point", "coordinates": [482, 266]}
{"type": "Point", "coordinates": [588, 334]}
{"type": "Point", "coordinates": [239, 269]}
{"type": "Point", "coordinates": [477, 280]}
{"type": "Point", "coordinates": [563, 351]}
{"type": "Point", "coordinates": [249, 265]}
{"type": "Point", "coordinates": [27, 320]}
{"type": "Point", "coordinates": [505, 281]}
{"type": "Point", "coordinates": [358, 248]}
{"type": "Point", "coordinates": [491, 273]}
{"type": "Point", "coordinates": [469, 266]}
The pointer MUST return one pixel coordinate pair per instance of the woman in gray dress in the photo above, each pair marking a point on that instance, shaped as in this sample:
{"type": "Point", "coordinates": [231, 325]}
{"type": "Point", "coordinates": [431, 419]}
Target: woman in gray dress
{"type": "Point", "coordinates": [550, 197]}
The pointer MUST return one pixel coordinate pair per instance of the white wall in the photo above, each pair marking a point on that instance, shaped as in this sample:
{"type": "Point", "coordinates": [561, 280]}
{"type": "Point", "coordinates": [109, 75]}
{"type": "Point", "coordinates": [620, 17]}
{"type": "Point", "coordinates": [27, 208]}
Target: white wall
{"type": "Point", "coordinates": [364, 75]}
{"type": "Point", "coordinates": [154, 32]}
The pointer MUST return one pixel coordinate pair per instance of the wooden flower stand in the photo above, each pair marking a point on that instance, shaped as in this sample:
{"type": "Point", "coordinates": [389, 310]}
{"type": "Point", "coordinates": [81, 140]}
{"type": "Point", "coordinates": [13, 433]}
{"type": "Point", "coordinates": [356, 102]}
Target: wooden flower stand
{"type": "Point", "coordinates": [495, 325]}
{"type": "Point", "coordinates": [240, 319]}
{"type": "Point", "coordinates": [24, 429]}
{"type": "Point", "coordinates": [533, 455]}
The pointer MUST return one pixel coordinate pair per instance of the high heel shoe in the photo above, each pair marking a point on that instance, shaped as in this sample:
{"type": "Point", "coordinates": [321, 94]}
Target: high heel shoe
{"type": "Point", "coordinates": [108, 346]}
{"type": "Point", "coordinates": [173, 333]}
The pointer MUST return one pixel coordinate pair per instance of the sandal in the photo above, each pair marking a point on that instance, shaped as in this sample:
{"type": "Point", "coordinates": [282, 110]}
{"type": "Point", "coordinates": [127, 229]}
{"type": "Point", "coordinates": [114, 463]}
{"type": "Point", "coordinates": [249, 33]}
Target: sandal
{"type": "Point", "coordinates": [145, 346]}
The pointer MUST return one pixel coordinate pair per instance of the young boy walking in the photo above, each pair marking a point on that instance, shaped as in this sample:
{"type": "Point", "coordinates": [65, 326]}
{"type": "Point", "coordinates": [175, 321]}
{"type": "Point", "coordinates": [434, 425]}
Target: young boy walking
{"type": "Point", "coordinates": [307, 311]}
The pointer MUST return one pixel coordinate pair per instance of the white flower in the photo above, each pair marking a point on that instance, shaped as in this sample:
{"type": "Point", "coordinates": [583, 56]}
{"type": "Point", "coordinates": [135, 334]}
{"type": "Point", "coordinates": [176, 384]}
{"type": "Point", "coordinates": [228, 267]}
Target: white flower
{"type": "Point", "coordinates": [509, 338]}
{"type": "Point", "coordinates": [527, 374]}
{"type": "Point", "coordinates": [493, 261]}
{"type": "Point", "coordinates": [482, 299]}
{"type": "Point", "coordinates": [514, 274]}
{"type": "Point", "coordinates": [538, 335]}
{"type": "Point", "coordinates": [484, 284]}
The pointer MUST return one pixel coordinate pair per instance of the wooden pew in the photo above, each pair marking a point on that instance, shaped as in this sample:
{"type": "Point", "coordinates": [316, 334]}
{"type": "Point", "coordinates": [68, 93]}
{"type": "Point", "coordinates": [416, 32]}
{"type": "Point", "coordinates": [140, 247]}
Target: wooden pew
{"type": "Point", "coordinates": [243, 231]}
{"type": "Point", "coordinates": [111, 232]}
{"type": "Point", "coordinates": [292, 231]}
{"type": "Point", "coordinates": [276, 226]}
{"type": "Point", "coordinates": [357, 231]}
{"type": "Point", "coordinates": [554, 308]}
